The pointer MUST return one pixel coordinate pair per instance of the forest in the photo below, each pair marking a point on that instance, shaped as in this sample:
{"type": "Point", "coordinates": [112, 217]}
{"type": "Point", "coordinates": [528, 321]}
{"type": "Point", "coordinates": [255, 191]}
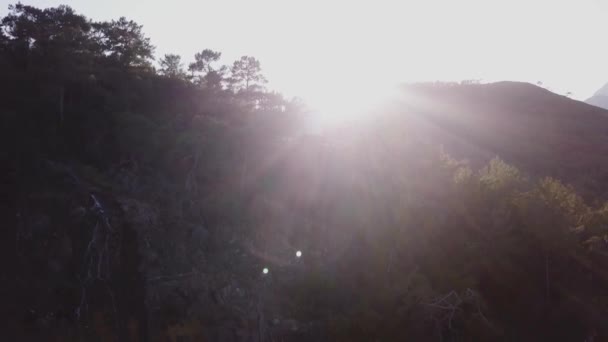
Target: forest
{"type": "Point", "coordinates": [165, 200]}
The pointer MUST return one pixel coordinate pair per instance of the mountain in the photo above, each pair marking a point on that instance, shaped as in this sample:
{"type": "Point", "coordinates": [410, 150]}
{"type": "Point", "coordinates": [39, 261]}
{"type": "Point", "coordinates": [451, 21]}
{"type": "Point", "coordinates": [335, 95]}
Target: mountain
{"type": "Point", "coordinates": [144, 204]}
{"type": "Point", "coordinates": [600, 98]}
{"type": "Point", "coordinates": [531, 127]}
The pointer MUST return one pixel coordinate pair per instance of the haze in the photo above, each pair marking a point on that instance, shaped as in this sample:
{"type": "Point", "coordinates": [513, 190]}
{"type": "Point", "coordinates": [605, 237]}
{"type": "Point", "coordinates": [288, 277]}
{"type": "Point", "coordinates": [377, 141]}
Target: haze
{"type": "Point", "coordinates": [448, 184]}
{"type": "Point", "coordinates": [312, 48]}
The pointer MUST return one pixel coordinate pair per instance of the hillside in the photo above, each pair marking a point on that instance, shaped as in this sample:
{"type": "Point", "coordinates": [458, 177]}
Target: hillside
{"type": "Point", "coordinates": [600, 98]}
{"type": "Point", "coordinates": [145, 204]}
{"type": "Point", "coordinates": [528, 126]}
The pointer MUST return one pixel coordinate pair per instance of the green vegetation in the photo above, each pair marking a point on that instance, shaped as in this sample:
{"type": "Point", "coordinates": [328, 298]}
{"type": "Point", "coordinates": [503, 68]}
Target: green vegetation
{"type": "Point", "coordinates": [216, 177]}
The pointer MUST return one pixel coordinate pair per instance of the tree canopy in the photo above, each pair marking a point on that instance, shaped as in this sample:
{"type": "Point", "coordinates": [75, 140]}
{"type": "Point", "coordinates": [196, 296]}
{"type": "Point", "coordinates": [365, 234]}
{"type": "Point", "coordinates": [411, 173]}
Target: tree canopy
{"type": "Point", "coordinates": [171, 66]}
{"type": "Point", "coordinates": [246, 74]}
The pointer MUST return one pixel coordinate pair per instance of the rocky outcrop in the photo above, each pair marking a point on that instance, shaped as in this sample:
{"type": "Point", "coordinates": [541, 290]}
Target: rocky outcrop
{"type": "Point", "coordinates": [93, 260]}
{"type": "Point", "coordinates": [71, 269]}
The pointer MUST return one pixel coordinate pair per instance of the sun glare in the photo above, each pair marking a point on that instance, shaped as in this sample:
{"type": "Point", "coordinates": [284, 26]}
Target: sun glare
{"type": "Point", "coordinates": [337, 102]}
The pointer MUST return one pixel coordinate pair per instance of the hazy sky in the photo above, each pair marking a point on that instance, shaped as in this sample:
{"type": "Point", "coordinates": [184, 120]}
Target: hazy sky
{"type": "Point", "coordinates": [310, 47]}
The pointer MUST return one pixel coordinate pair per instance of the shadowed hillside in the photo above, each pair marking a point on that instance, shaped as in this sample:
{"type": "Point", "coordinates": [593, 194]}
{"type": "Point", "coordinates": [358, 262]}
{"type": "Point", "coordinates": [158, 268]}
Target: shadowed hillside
{"type": "Point", "coordinates": [539, 131]}
{"type": "Point", "coordinates": [145, 202]}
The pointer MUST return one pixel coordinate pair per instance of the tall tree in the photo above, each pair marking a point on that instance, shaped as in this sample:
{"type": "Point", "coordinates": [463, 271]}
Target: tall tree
{"type": "Point", "coordinates": [171, 66]}
{"type": "Point", "coordinates": [55, 43]}
{"type": "Point", "coordinates": [207, 74]}
{"type": "Point", "coordinates": [123, 41]}
{"type": "Point", "coordinates": [203, 60]}
{"type": "Point", "coordinates": [246, 74]}
{"type": "Point", "coordinates": [54, 36]}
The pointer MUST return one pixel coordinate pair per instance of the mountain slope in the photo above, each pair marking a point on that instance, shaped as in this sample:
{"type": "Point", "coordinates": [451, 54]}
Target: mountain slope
{"type": "Point", "coordinates": [144, 206]}
{"type": "Point", "coordinates": [539, 131]}
{"type": "Point", "coordinates": [600, 98]}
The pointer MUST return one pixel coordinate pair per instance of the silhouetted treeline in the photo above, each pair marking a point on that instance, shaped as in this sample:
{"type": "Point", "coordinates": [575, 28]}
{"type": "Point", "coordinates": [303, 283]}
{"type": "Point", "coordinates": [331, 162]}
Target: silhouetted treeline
{"type": "Point", "coordinates": [85, 76]}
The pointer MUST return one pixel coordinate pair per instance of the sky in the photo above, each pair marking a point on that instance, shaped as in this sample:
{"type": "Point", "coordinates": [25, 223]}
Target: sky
{"type": "Point", "coordinates": [328, 52]}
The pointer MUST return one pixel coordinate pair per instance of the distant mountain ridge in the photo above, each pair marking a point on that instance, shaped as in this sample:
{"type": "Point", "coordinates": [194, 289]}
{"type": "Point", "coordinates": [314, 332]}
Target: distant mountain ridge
{"type": "Point", "coordinates": [600, 98]}
{"type": "Point", "coordinates": [541, 132]}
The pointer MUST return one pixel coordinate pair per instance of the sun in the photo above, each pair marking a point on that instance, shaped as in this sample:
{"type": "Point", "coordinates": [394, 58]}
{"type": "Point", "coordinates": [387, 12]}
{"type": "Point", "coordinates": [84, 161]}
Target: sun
{"type": "Point", "coordinates": [347, 100]}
